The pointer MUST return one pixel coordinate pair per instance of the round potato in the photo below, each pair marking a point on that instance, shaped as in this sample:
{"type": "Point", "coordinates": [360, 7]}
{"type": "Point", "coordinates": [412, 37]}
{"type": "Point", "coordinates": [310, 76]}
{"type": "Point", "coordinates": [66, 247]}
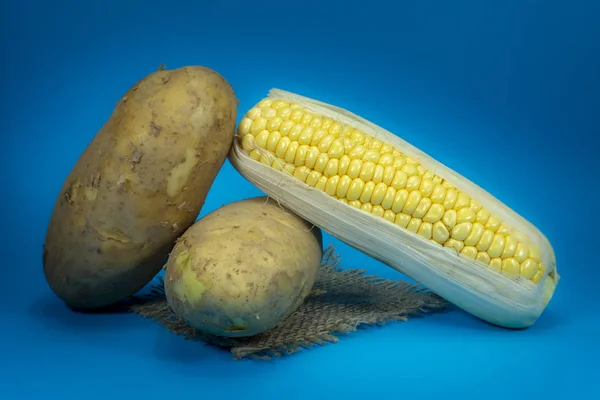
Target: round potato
{"type": "Point", "coordinates": [242, 269]}
{"type": "Point", "coordinates": [140, 183]}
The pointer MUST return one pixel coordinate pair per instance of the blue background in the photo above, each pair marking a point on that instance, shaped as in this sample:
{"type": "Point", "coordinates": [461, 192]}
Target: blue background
{"type": "Point", "coordinates": [504, 92]}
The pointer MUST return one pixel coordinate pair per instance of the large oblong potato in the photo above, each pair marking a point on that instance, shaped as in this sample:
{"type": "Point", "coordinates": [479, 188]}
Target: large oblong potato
{"type": "Point", "coordinates": [140, 183]}
{"type": "Point", "coordinates": [242, 269]}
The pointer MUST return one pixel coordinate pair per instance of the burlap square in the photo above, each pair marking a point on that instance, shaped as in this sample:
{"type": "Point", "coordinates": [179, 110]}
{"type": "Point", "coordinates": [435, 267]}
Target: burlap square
{"type": "Point", "coordinates": [341, 301]}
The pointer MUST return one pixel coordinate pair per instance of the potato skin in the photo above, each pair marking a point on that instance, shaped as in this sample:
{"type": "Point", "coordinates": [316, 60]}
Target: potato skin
{"type": "Point", "coordinates": [242, 269]}
{"type": "Point", "coordinates": [139, 184]}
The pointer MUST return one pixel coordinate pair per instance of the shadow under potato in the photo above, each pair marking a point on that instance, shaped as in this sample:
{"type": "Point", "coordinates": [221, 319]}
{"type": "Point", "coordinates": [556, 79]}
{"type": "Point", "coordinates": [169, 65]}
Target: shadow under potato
{"type": "Point", "coordinates": [54, 313]}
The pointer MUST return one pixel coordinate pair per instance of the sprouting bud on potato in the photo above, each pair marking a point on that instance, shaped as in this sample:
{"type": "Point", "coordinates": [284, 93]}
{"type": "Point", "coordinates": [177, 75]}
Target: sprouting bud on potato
{"type": "Point", "coordinates": [138, 186]}
{"type": "Point", "coordinates": [242, 269]}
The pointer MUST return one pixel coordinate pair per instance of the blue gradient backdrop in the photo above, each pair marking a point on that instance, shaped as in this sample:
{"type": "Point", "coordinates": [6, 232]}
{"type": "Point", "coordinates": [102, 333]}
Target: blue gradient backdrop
{"type": "Point", "coordinates": [504, 92]}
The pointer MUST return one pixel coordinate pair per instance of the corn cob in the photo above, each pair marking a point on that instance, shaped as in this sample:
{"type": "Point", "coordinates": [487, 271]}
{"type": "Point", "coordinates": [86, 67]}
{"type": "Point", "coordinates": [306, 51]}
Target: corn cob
{"type": "Point", "coordinates": [388, 199]}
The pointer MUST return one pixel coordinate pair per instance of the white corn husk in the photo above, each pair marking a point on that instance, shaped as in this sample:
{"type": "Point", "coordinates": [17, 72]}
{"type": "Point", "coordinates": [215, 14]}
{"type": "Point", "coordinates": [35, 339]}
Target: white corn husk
{"type": "Point", "coordinates": [487, 294]}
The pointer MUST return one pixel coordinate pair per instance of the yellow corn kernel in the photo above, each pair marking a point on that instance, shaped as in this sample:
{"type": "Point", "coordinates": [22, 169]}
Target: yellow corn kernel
{"type": "Point", "coordinates": [439, 194]}
{"type": "Point", "coordinates": [425, 230]}
{"type": "Point", "coordinates": [244, 126]}
{"type": "Point", "coordinates": [296, 115]}
{"type": "Point", "coordinates": [321, 163]}
{"type": "Point", "coordinates": [290, 154]}
{"type": "Point", "coordinates": [344, 164]}
{"type": "Point", "coordinates": [371, 155]}
{"type": "Point", "coordinates": [354, 203]}
{"type": "Point", "coordinates": [399, 200]}
{"type": "Point", "coordinates": [389, 215]}
{"type": "Point", "coordinates": [305, 136]}
{"type": "Point", "coordinates": [332, 167]}
{"type": "Point", "coordinates": [469, 251]}
{"type": "Point", "coordinates": [414, 198]}
{"type": "Point", "coordinates": [277, 164]}
{"type": "Point", "coordinates": [485, 241]}
{"type": "Point", "coordinates": [450, 199]}
{"type": "Point", "coordinates": [321, 183]}
{"type": "Point", "coordinates": [335, 129]}
{"type": "Point", "coordinates": [289, 169]}
{"type": "Point", "coordinates": [326, 143]}
{"type": "Point", "coordinates": [449, 219]}
{"type": "Point", "coordinates": [258, 125]}
{"type": "Point", "coordinates": [413, 183]}
{"type": "Point", "coordinates": [355, 189]}
{"type": "Point", "coordinates": [254, 113]}
{"type": "Point", "coordinates": [343, 186]}
{"type": "Point", "coordinates": [537, 278]}
{"type": "Point", "coordinates": [388, 175]}
{"type": "Point", "coordinates": [497, 246]}
{"type": "Point", "coordinates": [455, 244]}
{"type": "Point", "coordinates": [534, 254]}
{"type": "Point", "coordinates": [410, 169]}
{"type": "Point", "coordinates": [331, 186]}
{"type": "Point", "coordinates": [367, 171]}
{"type": "Point", "coordinates": [462, 201]}
{"type": "Point", "coordinates": [483, 216]}
{"type": "Point", "coordinates": [402, 220]}
{"type": "Point", "coordinates": [440, 232]}
{"type": "Point", "coordinates": [386, 160]}
{"type": "Point", "coordinates": [426, 188]}
{"type": "Point", "coordinates": [529, 268]}
{"type": "Point", "coordinates": [301, 173]}
{"type": "Point", "coordinates": [367, 192]}
{"type": "Point", "coordinates": [377, 211]}
{"type": "Point", "coordinates": [301, 153]}
{"type": "Point", "coordinates": [461, 231]}
{"type": "Point", "coordinates": [388, 198]}
{"type": "Point", "coordinates": [248, 142]}
{"type": "Point", "coordinates": [378, 193]}
{"type": "Point", "coordinates": [357, 152]}
{"type": "Point", "coordinates": [268, 113]}
{"type": "Point", "coordinates": [414, 224]}
{"type": "Point", "coordinates": [336, 149]}
{"type": "Point", "coordinates": [261, 139]}
{"type": "Point", "coordinates": [367, 207]}
{"type": "Point", "coordinates": [318, 135]}
{"type": "Point", "coordinates": [465, 215]}
{"type": "Point", "coordinates": [434, 214]}
{"type": "Point", "coordinates": [354, 168]}
{"type": "Point", "coordinates": [255, 154]}
{"type": "Point", "coordinates": [378, 174]}
{"type": "Point", "coordinates": [475, 235]}
{"type": "Point", "coordinates": [311, 156]}
{"type": "Point", "coordinates": [511, 267]}
{"type": "Point", "coordinates": [496, 264]}
{"type": "Point", "coordinates": [492, 224]}
{"type": "Point", "coordinates": [510, 247]}
{"type": "Point", "coordinates": [273, 140]}
{"type": "Point", "coordinates": [286, 127]}
{"type": "Point", "coordinates": [422, 208]}
{"type": "Point", "coordinates": [483, 257]}
{"type": "Point", "coordinates": [306, 119]}
{"type": "Point", "coordinates": [521, 253]}
{"type": "Point", "coordinates": [313, 178]}
{"type": "Point", "coordinates": [274, 124]}
{"type": "Point", "coordinates": [400, 180]}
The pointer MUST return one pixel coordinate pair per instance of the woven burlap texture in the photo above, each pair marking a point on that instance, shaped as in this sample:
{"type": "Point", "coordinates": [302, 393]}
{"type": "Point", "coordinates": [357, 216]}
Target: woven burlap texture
{"type": "Point", "coordinates": [342, 300]}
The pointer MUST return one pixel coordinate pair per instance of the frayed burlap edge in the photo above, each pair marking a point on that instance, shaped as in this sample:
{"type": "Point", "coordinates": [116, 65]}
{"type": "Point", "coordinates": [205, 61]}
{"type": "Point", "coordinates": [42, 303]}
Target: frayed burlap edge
{"type": "Point", "coordinates": [340, 303]}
